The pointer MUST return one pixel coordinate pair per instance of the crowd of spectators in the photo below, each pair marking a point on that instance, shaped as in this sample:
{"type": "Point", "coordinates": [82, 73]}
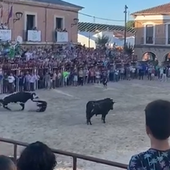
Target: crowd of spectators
{"type": "Point", "coordinates": [68, 65]}
{"type": "Point", "coordinates": [58, 66]}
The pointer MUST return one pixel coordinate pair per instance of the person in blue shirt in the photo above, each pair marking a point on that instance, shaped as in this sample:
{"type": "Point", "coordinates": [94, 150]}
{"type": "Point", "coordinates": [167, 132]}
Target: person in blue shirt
{"type": "Point", "coordinates": [157, 114]}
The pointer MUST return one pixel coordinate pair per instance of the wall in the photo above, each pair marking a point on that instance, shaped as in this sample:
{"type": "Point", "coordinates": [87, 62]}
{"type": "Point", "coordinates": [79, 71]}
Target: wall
{"type": "Point", "coordinates": [45, 21]}
{"type": "Point", "coordinates": [159, 52]}
{"type": "Point", "coordinates": [87, 41]}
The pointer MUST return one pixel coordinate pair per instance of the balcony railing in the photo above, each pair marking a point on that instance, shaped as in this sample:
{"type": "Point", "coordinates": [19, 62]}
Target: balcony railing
{"type": "Point", "coordinates": [60, 37]}
{"type": "Point", "coordinates": [157, 41]}
{"type": "Point", "coordinates": [69, 154]}
{"type": "Point", "coordinates": [32, 35]}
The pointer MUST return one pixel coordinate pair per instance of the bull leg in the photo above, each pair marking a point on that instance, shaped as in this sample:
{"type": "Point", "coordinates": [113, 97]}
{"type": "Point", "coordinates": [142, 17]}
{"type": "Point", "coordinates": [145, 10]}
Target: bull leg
{"type": "Point", "coordinates": [6, 107]}
{"type": "Point", "coordinates": [89, 120]}
{"type": "Point", "coordinates": [22, 105]}
{"type": "Point", "coordinates": [103, 118]}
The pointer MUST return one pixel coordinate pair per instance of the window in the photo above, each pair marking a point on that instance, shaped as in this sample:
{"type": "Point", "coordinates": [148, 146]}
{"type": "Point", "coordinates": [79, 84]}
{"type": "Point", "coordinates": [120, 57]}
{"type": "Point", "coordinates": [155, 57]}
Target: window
{"type": "Point", "coordinates": [30, 22]}
{"type": "Point", "coordinates": [59, 23]}
{"type": "Point", "coordinates": [168, 34]}
{"type": "Point", "coordinates": [149, 34]}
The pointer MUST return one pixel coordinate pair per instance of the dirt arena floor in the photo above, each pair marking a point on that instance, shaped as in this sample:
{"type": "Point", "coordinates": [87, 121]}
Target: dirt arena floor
{"type": "Point", "coordinates": [63, 125]}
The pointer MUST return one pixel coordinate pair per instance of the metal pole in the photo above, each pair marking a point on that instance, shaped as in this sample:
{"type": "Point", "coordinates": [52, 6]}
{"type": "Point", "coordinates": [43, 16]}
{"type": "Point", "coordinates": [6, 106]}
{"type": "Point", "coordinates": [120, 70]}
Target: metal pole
{"type": "Point", "coordinates": [125, 26]}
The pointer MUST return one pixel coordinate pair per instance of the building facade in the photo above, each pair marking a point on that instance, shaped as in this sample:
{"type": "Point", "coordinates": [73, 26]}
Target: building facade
{"type": "Point", "coordinates": [152, 40]}
{"type": "Point", "coordinates": [39, 21]}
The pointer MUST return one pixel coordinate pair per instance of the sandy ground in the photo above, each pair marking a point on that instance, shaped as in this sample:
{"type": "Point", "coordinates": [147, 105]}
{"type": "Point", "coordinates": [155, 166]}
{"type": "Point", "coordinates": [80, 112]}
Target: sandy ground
{"type": "Point", "coordinates": [63, 125]}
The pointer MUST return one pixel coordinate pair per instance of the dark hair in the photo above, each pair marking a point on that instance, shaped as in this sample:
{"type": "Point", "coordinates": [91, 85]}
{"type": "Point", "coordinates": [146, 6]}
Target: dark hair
{"type": "Point", "coordinates": [6, 163]}
{"type": "Point", "coordinates": [37, 156]}
{"type": "Point", "coordinates": [158, 118]}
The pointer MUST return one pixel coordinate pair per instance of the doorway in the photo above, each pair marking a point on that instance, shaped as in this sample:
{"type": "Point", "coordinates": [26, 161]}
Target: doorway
{"type": "Point", "coordinates": [30, 22]}
{"type": "Point", "coordinates": [59, 23]}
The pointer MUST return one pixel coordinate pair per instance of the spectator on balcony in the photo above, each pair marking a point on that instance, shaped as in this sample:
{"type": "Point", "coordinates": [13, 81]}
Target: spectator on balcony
{"type": "Point", "coordinates": [37, 156]}
{"type": "Point", "coordinates": [4, 26]}
{"type": "Point", "coordinates": [6, 163]}
{"type": "Point", "coordinates": [35, 28]}
{"type": "Point", "coordinates": [64, 30]}
{"type": "Point", "coordinates": [157, 116]}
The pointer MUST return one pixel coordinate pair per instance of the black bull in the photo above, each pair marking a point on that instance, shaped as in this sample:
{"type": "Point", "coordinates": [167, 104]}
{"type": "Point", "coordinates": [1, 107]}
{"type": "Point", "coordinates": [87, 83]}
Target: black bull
{"type": "Point", "coordinates": [99, 107]}
{"type": "Point", "coordinates": [19, 97]}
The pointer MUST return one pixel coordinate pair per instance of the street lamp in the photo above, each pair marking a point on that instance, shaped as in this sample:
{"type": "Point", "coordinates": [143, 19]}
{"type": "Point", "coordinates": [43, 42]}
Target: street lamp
{"type": "Point", "coordinates": [75, 22]}
{"type": "Point", "coordinates": [18, 16]}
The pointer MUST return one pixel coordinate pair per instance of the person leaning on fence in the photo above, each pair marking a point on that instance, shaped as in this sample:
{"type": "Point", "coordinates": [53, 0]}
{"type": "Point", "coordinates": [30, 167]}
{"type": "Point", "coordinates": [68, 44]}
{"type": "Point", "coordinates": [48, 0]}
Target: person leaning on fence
{"type": "Point", "coordinates": [37, 156]}
{"type": "Point", "coordinates": [6, 163]}
{"type": "Point", "coordinates": [157, 115]}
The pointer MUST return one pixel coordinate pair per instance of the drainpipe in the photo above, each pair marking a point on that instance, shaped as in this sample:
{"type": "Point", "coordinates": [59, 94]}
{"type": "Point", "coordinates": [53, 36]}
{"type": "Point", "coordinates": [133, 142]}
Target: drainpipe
{"type": "Point", "coordinates": [45, 24]}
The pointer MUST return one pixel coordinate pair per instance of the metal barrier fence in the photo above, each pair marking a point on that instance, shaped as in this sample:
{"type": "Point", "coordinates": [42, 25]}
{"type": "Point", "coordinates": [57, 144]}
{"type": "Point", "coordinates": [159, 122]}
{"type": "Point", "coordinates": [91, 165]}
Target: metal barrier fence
{"type": "Point", "coordinates": [65, 153]}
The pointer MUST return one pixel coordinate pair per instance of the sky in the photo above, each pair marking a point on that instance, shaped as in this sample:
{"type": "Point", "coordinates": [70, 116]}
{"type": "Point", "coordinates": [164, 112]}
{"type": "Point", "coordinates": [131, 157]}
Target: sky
{"type": "Point", "coordinates": [111, 9]}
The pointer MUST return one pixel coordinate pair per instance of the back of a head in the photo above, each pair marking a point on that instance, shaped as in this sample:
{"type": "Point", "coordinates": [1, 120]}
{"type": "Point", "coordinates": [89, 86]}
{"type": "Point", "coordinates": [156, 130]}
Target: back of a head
{"type": "Point", "coordinates": [158, 119]}
{"type": "Point", "coordinates": [6, 163]}
{"type": "Point", "coordinates": [37, 156]}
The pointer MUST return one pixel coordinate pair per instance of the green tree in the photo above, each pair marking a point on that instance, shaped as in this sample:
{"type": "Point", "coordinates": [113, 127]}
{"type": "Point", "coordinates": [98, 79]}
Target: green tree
{"type": "Point", "coordinates": [102, 40]}
{"type": "Point", "coordinates": [130, 24]}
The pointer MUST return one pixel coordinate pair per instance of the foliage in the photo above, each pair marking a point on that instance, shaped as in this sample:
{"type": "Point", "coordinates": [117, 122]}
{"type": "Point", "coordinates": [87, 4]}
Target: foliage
{"type": "Point", "coordinates": [130, 24]}
{"type": "Point", "coordinates": [102, 40]}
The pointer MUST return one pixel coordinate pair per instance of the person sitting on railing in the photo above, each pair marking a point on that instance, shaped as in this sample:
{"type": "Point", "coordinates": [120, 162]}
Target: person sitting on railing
{"type": "Point", "coordinates": [157, 116]}
{"type": "Point", "coordinates": [37, 156]}
{"type": "Point", "coordinates": [6, 163]}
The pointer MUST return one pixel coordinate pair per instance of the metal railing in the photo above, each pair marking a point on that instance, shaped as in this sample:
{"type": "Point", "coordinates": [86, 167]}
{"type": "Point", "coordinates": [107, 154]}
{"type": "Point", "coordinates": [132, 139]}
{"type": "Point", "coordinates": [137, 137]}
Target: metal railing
{"type": "Point", "coordinates": [65, 153]}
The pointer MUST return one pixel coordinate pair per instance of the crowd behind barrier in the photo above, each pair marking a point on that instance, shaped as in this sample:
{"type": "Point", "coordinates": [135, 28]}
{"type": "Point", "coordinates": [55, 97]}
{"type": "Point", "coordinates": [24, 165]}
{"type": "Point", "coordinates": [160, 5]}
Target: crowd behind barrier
{"type": "Point", "coordinates": [68, 65]}
{"type": "Point", "coordinates": [57, 66]}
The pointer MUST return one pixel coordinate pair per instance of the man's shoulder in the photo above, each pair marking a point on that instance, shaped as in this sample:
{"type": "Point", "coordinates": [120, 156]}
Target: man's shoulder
{"type": "Point", "coordinates": [136, 160]}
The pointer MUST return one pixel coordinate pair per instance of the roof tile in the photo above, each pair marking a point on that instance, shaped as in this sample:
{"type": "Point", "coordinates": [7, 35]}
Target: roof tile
{"type": "Point", "coordinates": [161, 9]}
{"type": "Point", "coordinates": [59, 2]}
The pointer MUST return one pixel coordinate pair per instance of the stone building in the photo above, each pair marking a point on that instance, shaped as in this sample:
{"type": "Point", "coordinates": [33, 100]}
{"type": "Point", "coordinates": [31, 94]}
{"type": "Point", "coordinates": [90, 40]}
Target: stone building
{"type": "Point", "coordinates": [39, 21]}
{"type": "Point", "coordinates": [152, 40]}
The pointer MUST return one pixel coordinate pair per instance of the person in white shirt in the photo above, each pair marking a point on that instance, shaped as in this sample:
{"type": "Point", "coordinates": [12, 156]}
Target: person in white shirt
{"type": "Point", "coordinates": [11, 81]}
{"type": "Point", "coordinates": [33, 79]}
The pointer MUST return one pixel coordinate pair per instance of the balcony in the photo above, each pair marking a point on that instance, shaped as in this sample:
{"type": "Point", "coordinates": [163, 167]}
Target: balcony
{"type": "Point", "coordinates": [32, 36]}
{"type": "Point", "coordinates": [5, 35]}
{"type": "Point", "coordinates": [152, 42]}
{"type": "Point", "coordinates": [60, 37]}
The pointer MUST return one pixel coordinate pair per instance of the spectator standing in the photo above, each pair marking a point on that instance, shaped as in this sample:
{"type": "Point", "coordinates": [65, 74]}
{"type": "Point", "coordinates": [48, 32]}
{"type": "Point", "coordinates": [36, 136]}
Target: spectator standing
{"type": "Point", "coordinates": [6, 163]}
{"type": "Point", "coordinates": [27, 82]}
{"type": "Point", "coordinates": [37, 156]}
{"type": "Point", "coordinates": [47, 79]}
{"type": "Point", "coordinates": [11, 81]}
{"type": "Point", "coordinates": [32, 81]}
{"type": "Point", "coordinates": [157, 116]}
